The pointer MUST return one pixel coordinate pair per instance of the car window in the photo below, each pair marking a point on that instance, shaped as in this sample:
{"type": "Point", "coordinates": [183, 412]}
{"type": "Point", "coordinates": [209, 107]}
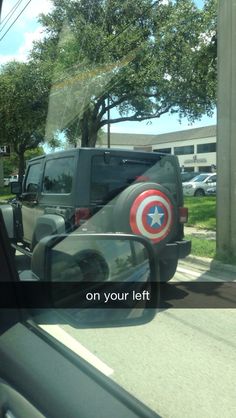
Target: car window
{"type": "Point", "coordinates": [108, 179]}
{"type": "Point", "coordinates": [58, 175]}
{"type": "Point", "coordinates": [33, 177]}
{"type": "Point", "coordinates": [201, 177]}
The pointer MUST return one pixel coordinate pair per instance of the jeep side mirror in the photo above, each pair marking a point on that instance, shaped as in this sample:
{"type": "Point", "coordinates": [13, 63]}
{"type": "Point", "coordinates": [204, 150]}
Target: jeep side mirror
{"type": "Point", "coordinates": [16, 187]}
{"type": "Point", "coordinates": [98, 280]}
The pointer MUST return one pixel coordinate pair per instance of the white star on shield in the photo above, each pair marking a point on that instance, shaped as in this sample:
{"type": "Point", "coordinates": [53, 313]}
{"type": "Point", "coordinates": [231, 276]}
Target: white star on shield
{"type": "Point", "coordinates": [156, 217]}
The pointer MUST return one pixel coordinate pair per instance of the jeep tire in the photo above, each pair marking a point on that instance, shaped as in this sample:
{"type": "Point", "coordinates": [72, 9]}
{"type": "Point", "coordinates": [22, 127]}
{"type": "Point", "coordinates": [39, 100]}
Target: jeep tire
{"type": "Point", "coordinates": [168, 269]}
{"type": "Point", "coordinates": [132, 208]}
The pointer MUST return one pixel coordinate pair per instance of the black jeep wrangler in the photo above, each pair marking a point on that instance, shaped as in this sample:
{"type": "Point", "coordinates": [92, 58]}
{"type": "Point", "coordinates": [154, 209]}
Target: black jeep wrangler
{"type": "Point", "coordinates": [102, 190]}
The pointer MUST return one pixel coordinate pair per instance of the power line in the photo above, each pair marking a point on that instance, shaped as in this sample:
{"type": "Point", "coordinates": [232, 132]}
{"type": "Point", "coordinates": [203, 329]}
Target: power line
{"type": "Point", "coordinates": [10, 13]}
{"type": "Point", "coordinates": [15, 20]}
{"type": "Point", "coordinates": [0, 8]}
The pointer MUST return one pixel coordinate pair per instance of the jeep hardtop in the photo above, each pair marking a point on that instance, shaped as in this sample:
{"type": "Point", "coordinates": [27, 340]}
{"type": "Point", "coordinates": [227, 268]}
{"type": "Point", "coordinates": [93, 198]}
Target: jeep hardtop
{"type": "Point", "coordinates": [101, 190]}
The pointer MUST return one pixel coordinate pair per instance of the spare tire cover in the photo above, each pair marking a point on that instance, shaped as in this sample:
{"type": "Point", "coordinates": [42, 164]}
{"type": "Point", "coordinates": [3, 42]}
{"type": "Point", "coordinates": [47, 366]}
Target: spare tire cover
{"type": "Point", "coordinates": [146, 209]}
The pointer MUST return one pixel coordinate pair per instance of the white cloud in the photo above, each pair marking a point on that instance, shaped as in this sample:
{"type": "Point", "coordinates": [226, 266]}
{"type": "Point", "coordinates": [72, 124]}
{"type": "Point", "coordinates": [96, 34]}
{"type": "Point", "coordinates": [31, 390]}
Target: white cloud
{"type": "Point", "coordinates": [23, 24]}
{"type": "Point", "coordinates": [29, 15]}
{"type": "Point", "coordinates": [34, 8]}
{"type": "Point", "coordinates": [23, 51]}
{"type": "Point", "coordinates": [206, 37]}
{"type": "Point", "coordinates": [167, 77]}
{"type": "Point", "coordinates": [164, 2]}
{"type": "Point", "coordinates": [29, 38]}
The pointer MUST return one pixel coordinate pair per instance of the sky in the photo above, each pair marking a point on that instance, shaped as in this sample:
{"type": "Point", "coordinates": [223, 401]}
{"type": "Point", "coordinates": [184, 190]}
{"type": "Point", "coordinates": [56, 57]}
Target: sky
{"type": "Point", "coordinates": [17, 43]}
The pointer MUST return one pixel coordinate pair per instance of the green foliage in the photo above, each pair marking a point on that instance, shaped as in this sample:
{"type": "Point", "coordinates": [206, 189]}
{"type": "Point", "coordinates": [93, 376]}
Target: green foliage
{"type": "Point", "coordinates": [10, 164]}
{"type": "Point", "coordinates": [202, 211]}
{"type": "Point", "coordinates": [5, 194]}
{"type": "Point", "coordinates": [146, 57]}
{"type": "Point", "coordinates": [202, 247]}
{"type": "Point", "coordinates": [24, 90]}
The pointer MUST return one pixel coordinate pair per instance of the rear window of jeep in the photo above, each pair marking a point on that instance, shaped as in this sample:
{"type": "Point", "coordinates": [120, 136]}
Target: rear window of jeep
{"type": "Point", "coordinates": [58, 175]}
{"type": "Point", "coordinates": [111, 177]}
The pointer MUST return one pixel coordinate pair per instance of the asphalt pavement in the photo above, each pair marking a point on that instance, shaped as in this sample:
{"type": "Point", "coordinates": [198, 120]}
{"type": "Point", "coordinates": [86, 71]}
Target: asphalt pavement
{"type": "Point", "coordinates": [182, 364]}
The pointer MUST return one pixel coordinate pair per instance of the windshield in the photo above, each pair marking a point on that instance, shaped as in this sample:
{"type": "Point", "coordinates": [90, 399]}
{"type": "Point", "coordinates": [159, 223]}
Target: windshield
{"type": "Point", "coordinates": [199, 178]}
{"type": "Point", "coordinates": [97, 89]}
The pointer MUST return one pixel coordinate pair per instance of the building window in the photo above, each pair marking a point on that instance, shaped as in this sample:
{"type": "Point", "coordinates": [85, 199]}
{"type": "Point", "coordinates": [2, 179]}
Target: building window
{"type": "Point", "coordinates": [205, 169]}
{"type": "Point", "coordinates": [164, 150]}
{"type": "Point", "coordinates": [204, 148]}
{"type": "Point", "coordinates": [187, 149]}
{"type": "Point", "coordinates": [188, 169]}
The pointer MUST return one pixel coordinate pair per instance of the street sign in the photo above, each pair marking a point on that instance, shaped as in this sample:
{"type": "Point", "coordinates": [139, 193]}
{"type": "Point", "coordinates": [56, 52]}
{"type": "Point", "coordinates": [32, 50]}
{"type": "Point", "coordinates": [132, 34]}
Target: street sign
{"type": "Point", "coordinates": [5, 150]}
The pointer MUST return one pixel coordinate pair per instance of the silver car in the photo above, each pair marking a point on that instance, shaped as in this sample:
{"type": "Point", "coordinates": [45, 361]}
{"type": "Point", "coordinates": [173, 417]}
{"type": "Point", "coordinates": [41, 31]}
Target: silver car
{"type": "Point", "coordinates": [199, 185]}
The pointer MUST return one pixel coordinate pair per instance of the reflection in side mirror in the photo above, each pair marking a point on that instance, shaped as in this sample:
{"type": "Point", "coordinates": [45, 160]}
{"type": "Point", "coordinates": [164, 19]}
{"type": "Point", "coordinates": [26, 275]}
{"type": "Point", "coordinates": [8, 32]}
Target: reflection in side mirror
{"type": "Point", "coordinates": [16, 187]}
{"type": "Point", "coordinates": [99, 279]}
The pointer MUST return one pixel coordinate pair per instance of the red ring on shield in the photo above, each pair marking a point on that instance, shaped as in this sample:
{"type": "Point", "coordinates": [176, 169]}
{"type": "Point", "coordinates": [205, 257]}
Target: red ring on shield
{"type": "Point", "coordinates": [140, 209]}
{"type": "Point", "coordinates": [146, 212]}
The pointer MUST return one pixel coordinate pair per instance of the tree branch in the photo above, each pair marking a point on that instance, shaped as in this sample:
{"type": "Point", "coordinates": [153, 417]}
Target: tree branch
{"type": "Point", "coordinates": [115, 103]}
{"type": "Point", "coordinates": [134, 117]}
{"type": "Point", "coordinates": [128, 97]}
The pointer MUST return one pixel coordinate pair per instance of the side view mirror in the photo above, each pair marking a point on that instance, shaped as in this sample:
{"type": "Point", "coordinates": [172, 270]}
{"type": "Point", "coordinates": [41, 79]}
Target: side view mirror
{"type": "Point", "coordinates": [16, 187]}
{"type": "Point", "coordinates": [98, 280]}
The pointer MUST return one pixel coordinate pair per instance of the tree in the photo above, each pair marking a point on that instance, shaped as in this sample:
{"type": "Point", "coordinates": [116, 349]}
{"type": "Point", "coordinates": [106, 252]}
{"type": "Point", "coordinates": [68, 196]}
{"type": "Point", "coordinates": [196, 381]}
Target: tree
{"type": "Point", "coordinates": [24, 91]}
{"type": "Point", "coordinates": [140, 58]}
{"type": "Point", "coordinates": [11, 163]}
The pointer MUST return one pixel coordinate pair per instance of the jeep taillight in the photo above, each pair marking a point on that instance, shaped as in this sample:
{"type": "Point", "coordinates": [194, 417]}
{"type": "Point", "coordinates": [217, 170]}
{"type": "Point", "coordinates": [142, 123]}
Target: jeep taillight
{"type": "Point", "coordinates": [82, 215]}
{"type": "Point", "coordinates": [183, 215]}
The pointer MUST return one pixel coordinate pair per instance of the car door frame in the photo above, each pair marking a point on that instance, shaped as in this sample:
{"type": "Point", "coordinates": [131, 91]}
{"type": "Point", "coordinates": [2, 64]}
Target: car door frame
{"type": "Point", "coordinates": [41, 375]}
{"type": "Point", "coordinates": [30, 202]}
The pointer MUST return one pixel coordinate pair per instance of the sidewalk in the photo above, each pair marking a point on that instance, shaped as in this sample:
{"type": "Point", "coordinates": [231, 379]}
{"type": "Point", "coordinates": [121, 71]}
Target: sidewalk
{"type": "Point", "coordinates": [200, 233]}
{"type": "Point", "coordinates": [206, 263]}
{"type": "Point", "coordinates": [209, 264]}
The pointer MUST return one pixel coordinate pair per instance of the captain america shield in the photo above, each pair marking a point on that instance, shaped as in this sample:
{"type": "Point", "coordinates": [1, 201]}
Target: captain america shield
{"type": "Point", "coordinates": [151, 215]}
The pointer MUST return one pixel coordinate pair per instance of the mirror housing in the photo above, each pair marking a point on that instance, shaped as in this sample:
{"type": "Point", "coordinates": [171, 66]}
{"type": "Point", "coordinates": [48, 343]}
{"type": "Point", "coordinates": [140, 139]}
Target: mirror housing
{"type": "Point", "coordinates": [99, 280]}
{"type": "Point", "coordinates": [16, 187]}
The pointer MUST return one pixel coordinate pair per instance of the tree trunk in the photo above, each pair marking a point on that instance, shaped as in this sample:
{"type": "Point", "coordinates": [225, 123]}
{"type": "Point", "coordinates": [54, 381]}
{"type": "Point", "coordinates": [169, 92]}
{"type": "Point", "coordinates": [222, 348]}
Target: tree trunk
{"type": "Point", "coordinates": [21, 165]}
{"type": "Point", "coordinates": [89, 130]}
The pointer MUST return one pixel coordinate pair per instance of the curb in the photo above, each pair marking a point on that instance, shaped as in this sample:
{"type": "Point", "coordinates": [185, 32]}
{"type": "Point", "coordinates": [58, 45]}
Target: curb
{"type": "Point", "coordinates": [201, 233]}
{"type": "Point", "coordinates": [210, 264]}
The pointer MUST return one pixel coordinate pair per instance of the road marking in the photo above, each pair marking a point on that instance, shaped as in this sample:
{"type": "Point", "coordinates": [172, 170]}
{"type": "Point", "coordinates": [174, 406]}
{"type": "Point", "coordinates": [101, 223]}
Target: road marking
{"type": "Point", "coordinates": [74, 345]}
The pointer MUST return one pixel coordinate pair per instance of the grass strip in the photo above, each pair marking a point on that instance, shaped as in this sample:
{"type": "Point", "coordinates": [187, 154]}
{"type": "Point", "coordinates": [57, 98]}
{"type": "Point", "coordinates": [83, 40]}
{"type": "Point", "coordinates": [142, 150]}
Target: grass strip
{"type": "Point", "coordinates": [202, 212]}
{"type": "Point", "coordinates": [5, 193]}
{"type": "Point", "coordinates": [202, 247]}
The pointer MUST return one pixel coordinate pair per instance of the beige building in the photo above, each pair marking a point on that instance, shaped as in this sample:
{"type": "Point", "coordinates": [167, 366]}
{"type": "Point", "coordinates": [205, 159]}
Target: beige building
{"type": "Point", "coordinates": [195, 148]}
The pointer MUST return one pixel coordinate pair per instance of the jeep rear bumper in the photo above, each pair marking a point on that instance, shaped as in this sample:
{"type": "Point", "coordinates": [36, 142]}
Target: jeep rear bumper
{"type": "Point", "coordinates": [177, 249]}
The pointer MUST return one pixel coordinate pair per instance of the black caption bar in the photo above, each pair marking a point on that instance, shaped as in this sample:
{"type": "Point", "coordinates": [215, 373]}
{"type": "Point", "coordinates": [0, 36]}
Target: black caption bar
{"type": "Point", "coordinates": [181, 295]}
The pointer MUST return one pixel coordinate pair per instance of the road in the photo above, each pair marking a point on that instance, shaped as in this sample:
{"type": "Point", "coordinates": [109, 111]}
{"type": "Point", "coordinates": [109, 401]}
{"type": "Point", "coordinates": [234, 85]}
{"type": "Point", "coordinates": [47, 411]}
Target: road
{"type": "Point", "coordinates": [182, 364]}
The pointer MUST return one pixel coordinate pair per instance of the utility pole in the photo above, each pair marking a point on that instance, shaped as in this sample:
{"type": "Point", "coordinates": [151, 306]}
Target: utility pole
{"type": "Point", "coordinates": [108, 125]}
{"type": "Point", "coordinates": [1, 172]}
{"type": "Point", "coordinates": [226, 130]}
{"type": "Point", "coordinates": [1, 161]}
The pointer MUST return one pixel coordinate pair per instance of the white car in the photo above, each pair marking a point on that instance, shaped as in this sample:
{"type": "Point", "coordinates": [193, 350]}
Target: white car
{"type": "Point", "coordinates": [199, 185]}
{"type": "Point", "coordinates": [211, 191]}
{"type": "Point", "coordinates": [6, 181]}
{"type": "Point", "coordinates": [14, 178]}
{"type": "Point", "coordinates": [9, 179]}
